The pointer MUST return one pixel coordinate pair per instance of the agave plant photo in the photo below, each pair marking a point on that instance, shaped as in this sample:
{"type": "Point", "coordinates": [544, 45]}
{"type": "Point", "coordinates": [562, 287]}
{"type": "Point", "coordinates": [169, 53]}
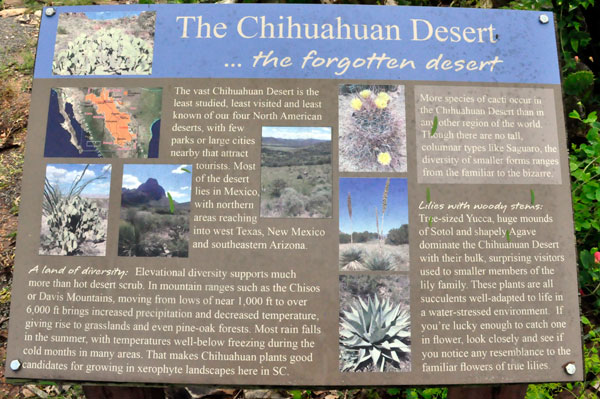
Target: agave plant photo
{"type": "Point", "coordinates": [374, 336]}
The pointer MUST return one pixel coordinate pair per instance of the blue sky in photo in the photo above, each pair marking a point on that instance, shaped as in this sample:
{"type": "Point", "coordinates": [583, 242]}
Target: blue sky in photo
{"type": "Point", "coordinates": [297, 132]}
{"type": "Point", "coordinates": [63, 176]}
{"type": "Point", "coordinates": [105, 15]}
{"type": "Point", "coordinates": [367, 193]}
{"type": "Point", "coordinates": [172, 178]}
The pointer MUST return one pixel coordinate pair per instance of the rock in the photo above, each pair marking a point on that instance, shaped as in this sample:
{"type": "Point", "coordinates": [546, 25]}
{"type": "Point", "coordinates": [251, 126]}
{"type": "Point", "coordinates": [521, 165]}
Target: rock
{"type": "Point", "coordinates": [263, 394]}
{"type": "Point", "coordinates": [12, 12]}
{"type": "Point", "coordinates": [37, 391]}
{"type": "Point", "coordinates": [13, 3]}
{"type": "Point", "coordinates": [24, 19]}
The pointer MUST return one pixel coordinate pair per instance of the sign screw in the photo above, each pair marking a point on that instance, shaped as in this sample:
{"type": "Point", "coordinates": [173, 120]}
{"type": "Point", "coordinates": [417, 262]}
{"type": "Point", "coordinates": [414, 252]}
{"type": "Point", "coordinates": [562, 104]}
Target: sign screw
{"type": "Point", "coordinates": [570, 368]}
{"type": "Point", "coordinates": [544, 19]}
{"type": "Point", "coordinates": [15, 365]}
{"type": "Point", "coordinates": [50, 11]}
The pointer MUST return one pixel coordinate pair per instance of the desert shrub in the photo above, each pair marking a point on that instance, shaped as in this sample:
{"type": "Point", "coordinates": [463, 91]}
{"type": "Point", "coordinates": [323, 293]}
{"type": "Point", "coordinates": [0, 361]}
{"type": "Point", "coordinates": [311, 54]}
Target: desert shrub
{"type": "Point", "coordinates": [360, 237]}
{"type": "Point", "coordinates": [152, 244]}
{"type": "Point", "coordinates": [144, 233]}
{"type": "Point", "coordinates": [360, 285]}
{"type": "Point", "coordinates": [178, 248]}
{"type": "Point", "coordinates": [322, 189]}
{"type": "Point", "coordinates": [379, 261]}
{"type": "Point", "coordinates": [351, 255]}
{"type": "Point", "coordinates": [292, 202]}
{"type": "Point", "coordinates": [128, 239]}
{"type": "Point", "coordinates": [364, 236]}
{"type": "Point", "coordinates": [319, 205]}
{"type": "Point", "coordinates": [398, 236]}
{"type": "Point", "coordinates": [144, 221]}
{"type": "Point", "coordinates": [319, 201]}
{"type": "Point", "coordinates": [344, 238]}
{"type": "Point", "coordinates": [277, 186]}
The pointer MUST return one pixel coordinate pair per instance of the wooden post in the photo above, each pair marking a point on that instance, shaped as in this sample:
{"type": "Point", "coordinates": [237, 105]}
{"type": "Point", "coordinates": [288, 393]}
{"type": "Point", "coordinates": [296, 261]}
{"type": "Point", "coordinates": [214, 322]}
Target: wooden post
{"type": "Point", "coordinates": [515, 391]}
{"type": "Point", "coordinates": [113, 392]}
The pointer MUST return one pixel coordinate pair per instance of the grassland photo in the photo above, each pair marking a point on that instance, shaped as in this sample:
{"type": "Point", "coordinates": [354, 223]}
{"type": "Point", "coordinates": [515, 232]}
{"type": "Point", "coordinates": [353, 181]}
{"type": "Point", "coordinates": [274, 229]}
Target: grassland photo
{"type": "Point", "coordinates": [296, 172]}
{"type": "Point", "coordinates": [374, 324]}
{"type": "Point", "coordinates": [155, 210]}
{"type": "Point", "coordinates": [372, 128]}
{"type": "Point", "coordinates": [373, 224]}
{"type": "Point", "coordinates": [75, 209]}
{"type": "Point", "coordinates": [104, 43]}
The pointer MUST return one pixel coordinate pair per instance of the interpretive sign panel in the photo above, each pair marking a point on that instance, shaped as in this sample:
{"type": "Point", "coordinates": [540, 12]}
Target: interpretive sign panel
{"type": "Point", "coordinates": [295, 195]}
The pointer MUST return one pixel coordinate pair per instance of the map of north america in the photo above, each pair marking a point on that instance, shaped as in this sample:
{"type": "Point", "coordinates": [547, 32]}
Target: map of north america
{"type": "Point", "coordinates": [103, 122]}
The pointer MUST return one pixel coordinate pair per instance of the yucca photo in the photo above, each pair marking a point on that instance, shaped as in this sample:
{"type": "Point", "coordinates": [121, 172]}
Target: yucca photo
{"type": "Point", "coordinates": [369, 206]}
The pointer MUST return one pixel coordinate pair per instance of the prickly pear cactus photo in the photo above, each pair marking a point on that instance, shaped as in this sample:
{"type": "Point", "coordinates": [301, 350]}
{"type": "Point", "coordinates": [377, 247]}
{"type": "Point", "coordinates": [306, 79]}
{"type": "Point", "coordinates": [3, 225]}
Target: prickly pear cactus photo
{"type": "Point", "coordinates": [372, 128]}
{"type": "Point", "coordinates": [104, 43]}
{"type": "Point", "coordinates": [75, 210]}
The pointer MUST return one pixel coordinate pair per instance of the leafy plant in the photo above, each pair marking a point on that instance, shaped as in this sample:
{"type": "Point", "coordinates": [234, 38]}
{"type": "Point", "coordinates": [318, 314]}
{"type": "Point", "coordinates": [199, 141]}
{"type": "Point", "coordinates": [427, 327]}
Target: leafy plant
{"type": "Point", "coordinates": [106, 52]}
{"type": "Point", "coordinates": [579, 389]}
{"type": "Point", "coordinates": [578, 83]}
{"type": "Point", "coordinates": [427, 393]}
{"type": "Point", "coordinates": [589, 273]}
{"type": "Point", "coordinates": [584, 163]}
{"type": "Point", "coordinates": [351, 255]}
{"type": "Point", "coordinates": [374, 333]}
{"type": "Point", "coordinates": [5, 295]}
{"type": "Point", "coordinates": [379, 261]}
{"type": "Point", "coordinates": [571, 22]}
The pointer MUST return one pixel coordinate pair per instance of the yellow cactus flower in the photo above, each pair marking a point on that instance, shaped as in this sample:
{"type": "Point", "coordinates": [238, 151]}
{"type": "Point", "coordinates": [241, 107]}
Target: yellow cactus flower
{"type": "Point", "coordinates": [381, 102]}
{"type": "Point", "coordinates": [356, 104]}
{"type": "Point", "coordinates": [383, 95]}
{"type": "Point", "coordinates": [384, 158]}
{"type": "Point", "coordinates": [365, 93]}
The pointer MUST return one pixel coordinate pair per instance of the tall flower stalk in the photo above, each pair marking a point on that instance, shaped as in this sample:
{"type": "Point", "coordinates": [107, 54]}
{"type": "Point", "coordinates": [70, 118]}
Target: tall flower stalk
{"type": "Point", "coordinates": [383, 209]}
{"type": "Point", "coordinates": [350, 215]}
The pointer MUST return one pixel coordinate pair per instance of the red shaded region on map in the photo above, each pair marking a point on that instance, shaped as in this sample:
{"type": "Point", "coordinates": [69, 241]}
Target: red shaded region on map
{"type": "Point", "coordinates": [116, 122]}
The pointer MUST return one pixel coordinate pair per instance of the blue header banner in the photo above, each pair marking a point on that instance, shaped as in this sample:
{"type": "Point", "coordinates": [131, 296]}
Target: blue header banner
{"type": "Point", "coordinates": [302, 41]}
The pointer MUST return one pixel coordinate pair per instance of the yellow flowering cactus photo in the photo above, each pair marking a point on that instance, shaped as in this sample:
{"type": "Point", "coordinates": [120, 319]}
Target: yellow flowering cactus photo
{"type": "Point", "coordinates": [372, 128]}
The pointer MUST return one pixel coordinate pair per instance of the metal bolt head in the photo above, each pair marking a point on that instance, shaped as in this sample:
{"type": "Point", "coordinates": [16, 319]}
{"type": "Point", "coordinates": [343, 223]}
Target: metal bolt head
{"type": "Point", "coordinates": [544, 19]}
{"type": "Point", "coordinates": [50, 11]}
{"type": "Point", "coordinates": [15, 365]}
{"type": "Point", "coordinates": [570, 368]}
